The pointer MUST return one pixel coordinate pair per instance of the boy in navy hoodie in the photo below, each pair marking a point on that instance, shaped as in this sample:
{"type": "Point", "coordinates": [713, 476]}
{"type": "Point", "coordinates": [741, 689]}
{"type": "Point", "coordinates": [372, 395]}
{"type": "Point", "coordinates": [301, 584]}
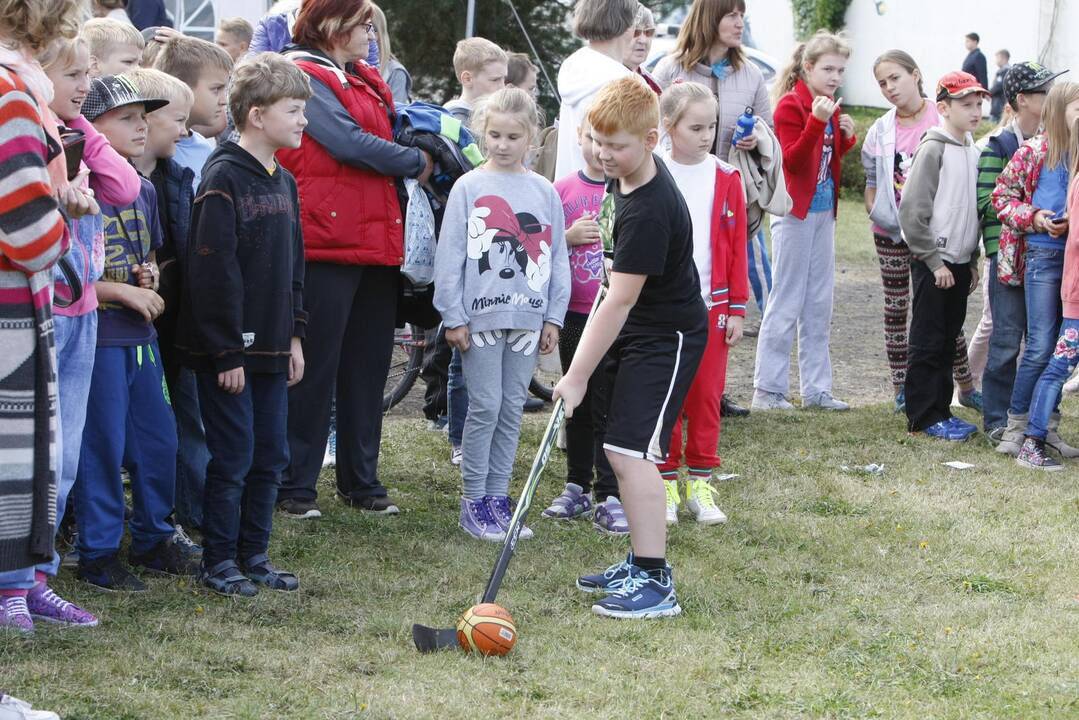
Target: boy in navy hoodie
{"type": "Point", "coordinates": [242, 320]}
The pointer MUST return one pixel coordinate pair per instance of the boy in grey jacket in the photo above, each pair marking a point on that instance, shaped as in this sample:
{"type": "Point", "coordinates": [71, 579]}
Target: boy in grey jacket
{"type": "Point", "coordinates": [939, 219]}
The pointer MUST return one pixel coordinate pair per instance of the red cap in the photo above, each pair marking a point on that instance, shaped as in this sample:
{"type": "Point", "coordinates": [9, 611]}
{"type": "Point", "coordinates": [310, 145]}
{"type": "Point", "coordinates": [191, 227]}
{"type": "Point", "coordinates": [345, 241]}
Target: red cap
{"type": "Point", "coordinates": [958, 84]}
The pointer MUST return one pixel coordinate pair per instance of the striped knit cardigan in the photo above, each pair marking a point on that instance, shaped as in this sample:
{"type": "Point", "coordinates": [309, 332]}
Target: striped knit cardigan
{"type": "Point", "coordinates": [33, 236]}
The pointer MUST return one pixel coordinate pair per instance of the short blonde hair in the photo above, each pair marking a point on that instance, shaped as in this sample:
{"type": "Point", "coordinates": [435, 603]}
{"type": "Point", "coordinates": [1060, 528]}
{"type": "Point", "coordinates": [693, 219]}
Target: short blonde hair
{"type": "Point", "coordinates": [156, 84]}
{"type": "Point", "coordinates": [61, 52]}
{"type": "Point", "coordinates": [507, 101]}
{"type": "Point", "coordinates": [679, 96]}
{"type": "Point", "coordinates": [600, 20]}
{"type": "Point", "coordinates": [103, 33]}
{"type": "Point", "coordinates": [472, 54]}
{"type": "Point", "coordinates": [238, 28]}
{"type": "Point", "coordinates": [261, 80]}
{"type": "Point", "coordinates": [33, 24]}
{"type": "Point", "coordinates": [187, 58]}
{"type": "Point", "coordinates": [625, 104]}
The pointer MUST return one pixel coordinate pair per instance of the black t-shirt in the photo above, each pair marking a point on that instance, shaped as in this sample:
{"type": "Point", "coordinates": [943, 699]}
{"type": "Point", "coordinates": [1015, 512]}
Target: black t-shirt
{"type": "Point", "coordinates": [653, 236]}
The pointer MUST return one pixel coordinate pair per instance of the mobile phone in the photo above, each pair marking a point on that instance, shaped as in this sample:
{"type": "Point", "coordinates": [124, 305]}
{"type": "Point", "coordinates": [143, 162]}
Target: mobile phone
{"type": "Point", "coordinates": [74, 142]}
{"type": "Point", "coordinates": [1060, 216]}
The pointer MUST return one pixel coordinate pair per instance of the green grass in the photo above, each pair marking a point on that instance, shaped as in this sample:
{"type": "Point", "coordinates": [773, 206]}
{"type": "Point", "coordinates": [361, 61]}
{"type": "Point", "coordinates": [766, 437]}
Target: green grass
{"type": "Point", "coordinates": [925, 592]}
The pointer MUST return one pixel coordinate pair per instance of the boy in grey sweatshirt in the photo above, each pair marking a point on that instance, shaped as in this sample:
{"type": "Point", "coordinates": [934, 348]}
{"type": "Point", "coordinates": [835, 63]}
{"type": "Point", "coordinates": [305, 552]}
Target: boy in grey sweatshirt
{"type": "Point", "coordinates": [939, 219]}
{"type": "Point", "coordinates": [502, 272]}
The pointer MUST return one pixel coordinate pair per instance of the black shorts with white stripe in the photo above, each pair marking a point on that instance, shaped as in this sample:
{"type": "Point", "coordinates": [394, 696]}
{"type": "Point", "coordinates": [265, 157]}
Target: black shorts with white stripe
{"type": "Point", "coordinates": [649, 376]}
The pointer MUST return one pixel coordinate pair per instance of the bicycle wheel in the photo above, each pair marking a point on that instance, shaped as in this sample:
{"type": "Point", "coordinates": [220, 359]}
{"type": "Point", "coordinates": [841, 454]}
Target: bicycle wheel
{"type": "Point", "coordinates": [548, 373]}
{"type": "Point", "coordinates": [408, 345]}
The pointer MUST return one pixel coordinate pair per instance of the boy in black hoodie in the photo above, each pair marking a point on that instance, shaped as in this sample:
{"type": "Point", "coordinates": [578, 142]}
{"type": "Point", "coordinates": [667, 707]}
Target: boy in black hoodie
{"type": "Point", "coordinates": [242, 320]}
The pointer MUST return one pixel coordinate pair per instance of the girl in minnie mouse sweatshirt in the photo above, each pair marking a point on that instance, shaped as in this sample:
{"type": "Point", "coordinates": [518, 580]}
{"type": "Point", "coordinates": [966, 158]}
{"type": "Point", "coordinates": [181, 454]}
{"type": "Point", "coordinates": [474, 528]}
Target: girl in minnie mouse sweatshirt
{"type": "Point", "coordinates": [502, 285]}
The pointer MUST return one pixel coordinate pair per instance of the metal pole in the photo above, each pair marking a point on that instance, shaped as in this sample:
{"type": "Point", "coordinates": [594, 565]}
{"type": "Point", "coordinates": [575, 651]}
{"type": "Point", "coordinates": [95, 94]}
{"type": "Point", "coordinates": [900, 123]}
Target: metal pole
{"type": "Point", "coordinates": [470, 19]}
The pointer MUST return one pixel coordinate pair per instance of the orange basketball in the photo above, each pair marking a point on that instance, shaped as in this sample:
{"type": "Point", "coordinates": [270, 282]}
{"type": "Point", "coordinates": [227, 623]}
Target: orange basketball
{"type": "Point", "coordinates": [487, 629]}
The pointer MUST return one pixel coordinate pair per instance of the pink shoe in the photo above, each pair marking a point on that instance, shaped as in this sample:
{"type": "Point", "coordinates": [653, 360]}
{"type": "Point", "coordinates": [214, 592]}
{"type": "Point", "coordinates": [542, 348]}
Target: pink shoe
{"type": "Point", "coordinates": [46, 605]}
{"type": "Point", "coordinates": [14, 615]}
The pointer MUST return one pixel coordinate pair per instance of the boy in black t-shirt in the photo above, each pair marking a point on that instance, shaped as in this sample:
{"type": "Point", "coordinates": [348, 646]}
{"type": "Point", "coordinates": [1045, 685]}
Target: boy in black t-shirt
{"type": "Point", "coordinates": [649, 333]}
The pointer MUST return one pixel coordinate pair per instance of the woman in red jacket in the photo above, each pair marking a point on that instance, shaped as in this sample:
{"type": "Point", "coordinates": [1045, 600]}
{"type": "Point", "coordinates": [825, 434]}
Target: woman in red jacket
{"type": "Point", "coordinates": [348, 171]}
{"type": "Point", "coordinates": [814, 137]}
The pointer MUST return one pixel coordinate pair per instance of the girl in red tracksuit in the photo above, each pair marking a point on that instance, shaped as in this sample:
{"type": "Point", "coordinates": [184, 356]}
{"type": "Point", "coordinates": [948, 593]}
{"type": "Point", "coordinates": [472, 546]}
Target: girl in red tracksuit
{"type": "Point", "coordinates": [716, 201]}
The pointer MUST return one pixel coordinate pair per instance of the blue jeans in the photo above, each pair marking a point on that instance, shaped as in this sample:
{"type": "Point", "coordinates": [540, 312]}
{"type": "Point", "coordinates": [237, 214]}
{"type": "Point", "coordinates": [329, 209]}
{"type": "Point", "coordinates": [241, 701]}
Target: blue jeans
{"type": "Point", "coordinates": [755, 274]}
{"type": "Point", "coordinates": [1008, 306]}
{"type": "Point", "coordinates": [1041, 288]}
{"type": "Point", "coordinates": [457, 402]}
{"type": "Point", "coordinates": [128, 423]}
{"type": "Point", "coordinates": [247, 435]}
{"type": "Point", "coordinates": [76, 341]}
{"type": "Point", "coordinates": [1047, 390]}
{"type": "Point", "coordinates": [192, 455]}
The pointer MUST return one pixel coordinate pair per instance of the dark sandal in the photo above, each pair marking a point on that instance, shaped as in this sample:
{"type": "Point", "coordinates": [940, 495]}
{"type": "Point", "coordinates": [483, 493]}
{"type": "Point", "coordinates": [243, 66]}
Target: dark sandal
{"type": "Point", "coordinates": [261, 572]}
{"type": "Point", "coordinates": [226, 579]}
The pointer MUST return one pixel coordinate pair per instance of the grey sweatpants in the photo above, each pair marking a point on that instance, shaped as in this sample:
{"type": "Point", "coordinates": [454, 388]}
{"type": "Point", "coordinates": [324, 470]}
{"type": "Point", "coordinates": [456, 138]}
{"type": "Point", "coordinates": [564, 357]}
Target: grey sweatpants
{"type": "Point", "coordinates": [497, 367]}
{"type": "Point", "coordinates": [803, 277]}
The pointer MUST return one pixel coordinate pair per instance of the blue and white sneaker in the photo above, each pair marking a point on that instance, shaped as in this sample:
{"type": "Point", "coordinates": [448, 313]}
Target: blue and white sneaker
{"type": "Point", "coordinates": [610, 580]}
{"type": "Point", "coordinates": [329, 459]}
{"type": "Point", "coordinates": [641, 597]}
{"type": "Point", "coordinates": [944, 430]}
{"type": "Point", "coordinates": [609, 517]}
{"type": "Point", "coordinates": [962, 425]}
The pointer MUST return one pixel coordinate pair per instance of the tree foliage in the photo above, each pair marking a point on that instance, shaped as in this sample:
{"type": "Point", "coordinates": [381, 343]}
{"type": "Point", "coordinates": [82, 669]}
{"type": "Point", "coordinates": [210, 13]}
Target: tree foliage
{"type": "Point", "coordinates": [812, 15]}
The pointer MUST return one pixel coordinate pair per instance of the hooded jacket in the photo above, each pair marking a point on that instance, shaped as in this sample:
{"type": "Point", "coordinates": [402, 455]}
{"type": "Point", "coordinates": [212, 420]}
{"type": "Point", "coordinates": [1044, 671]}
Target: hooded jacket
{"type": "Point", "coordinates": [581, 76]}
{"type": "Point", "coordinates": [939, 210]}
{"type": "Point", "coordinates": [243, 290]}
{"type": "Point", "coordinates": [1069, 286]}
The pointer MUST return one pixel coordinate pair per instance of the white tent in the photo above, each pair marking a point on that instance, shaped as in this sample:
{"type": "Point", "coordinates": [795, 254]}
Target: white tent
{"type": "Point", "coordinates": [200, 17]}
{"type": "Point", "coordinates": [932, 31]}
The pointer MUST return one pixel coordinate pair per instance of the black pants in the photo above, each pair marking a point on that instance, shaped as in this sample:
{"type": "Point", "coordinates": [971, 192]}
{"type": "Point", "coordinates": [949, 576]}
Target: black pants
{"type": "Point", "coordinates": [349, 339]}
{"type": "Point", "coordinates": [936, 318]}
{"type": "Point", "coordinates": [435, 373]}
{"type": "Point", "coordinates": [585, 431]}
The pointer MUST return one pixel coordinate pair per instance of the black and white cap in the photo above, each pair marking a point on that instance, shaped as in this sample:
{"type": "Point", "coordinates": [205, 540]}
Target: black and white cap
{"type": "Point", "coordinates": [1027, 77]}
{"type": "Point", "coordinates": [112, 91]}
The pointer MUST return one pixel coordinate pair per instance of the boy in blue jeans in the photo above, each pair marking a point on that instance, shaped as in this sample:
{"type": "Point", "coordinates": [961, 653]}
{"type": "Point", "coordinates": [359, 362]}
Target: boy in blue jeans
{"type": "Point", "coordinates": [129, 421]}
{"type": "Point", "coordinates": [242, 320]}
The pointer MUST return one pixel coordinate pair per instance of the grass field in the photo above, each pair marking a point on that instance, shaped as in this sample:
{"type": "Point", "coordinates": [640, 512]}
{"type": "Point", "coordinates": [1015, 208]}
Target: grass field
{"type": "Point", "coordinates": [922, 593]}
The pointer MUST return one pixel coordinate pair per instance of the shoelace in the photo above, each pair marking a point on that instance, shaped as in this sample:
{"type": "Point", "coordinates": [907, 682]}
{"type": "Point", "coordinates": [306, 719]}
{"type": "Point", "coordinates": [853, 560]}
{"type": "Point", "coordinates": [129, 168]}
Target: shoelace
{"type": "Point", "coordinates": [699, 489]}
{"type": "Point", "coordinates": [501, 509]}
{"type": "Point", "coordinates": [482, 512]}
{"type": "Point", "coordinates": [16, 606]}
{"type": "Point", "coordinates": [55, 600]}
{"type": "Point", "coordinates": [630, 585]}
{"type": "Point", "coordinates": [671, 486]}
{"type": "Point", "coordinates": [333, 443]}
{"type": "Point", "coordinates": [180, 537]}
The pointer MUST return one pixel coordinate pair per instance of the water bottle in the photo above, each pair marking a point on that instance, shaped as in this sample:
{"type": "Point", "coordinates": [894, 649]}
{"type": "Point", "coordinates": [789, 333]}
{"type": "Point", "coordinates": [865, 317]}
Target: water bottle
{"type": "Point", "coordinates": [744, 126]}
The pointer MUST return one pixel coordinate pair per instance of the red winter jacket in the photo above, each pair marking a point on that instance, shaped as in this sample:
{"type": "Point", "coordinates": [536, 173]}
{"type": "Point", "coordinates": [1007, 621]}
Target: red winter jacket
{"type": "Point", "coordinates": [350, 216]}
{"type": "Point", "coordinates": [730, 283]}
{"type": "Point", "coordinates": [801, 135]}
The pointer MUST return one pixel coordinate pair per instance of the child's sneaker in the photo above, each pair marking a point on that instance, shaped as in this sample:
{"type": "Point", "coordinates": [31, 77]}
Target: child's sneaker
{"type": "Point", "coordinates": [700, 502]}
{"type": "Point", "coordinates": [14, 614]}
{"type": "Point", "coordinates": [901, 402]}
{"type": "Point", "coordinates": [44, 604]}
{"type": "Point", "coordinates": [764, 400]}
{"type": "Point", "coordinates": [1032, 455]}
{"type": "Point", "coordinates": [261, 571]}
{"type": "Point", "coordinates": [944, 430]}
{"type": "Point", "coordinates": [971, 399]}
{"type": "Point", "coordinates": [455, 455]}
{"type": "Point", "coordinates": [329, 459]}
{"type": "Point", "coordinates": [165, 558]}
{"type": "Point", "coordinates": [108, 573]}
{"type": "Point", "coordinates": [824, 401]}
{"type": "Point", "coordinates": [187, 546]}
{"type": "Point", "coordinates": [962, 425]}
{"type": "Point", "coordinates": [299, 509]}
{"type": "Point", "coordinates": [573, 503]}
{"type": "Point", "coordinates": [643, 596]}
{"type": "Point", "coordinates": [499, 505]}
{"type": "Point", "coordinates": [608, 581]}
{"type": "Point", "coordinates": [670, 487]}
{"type": "Point", "coordinates": [476, 520]}
{"type": "Point", "coordinates": [225, 578]}
{"type": "Point", "coordinates": [609, 517]}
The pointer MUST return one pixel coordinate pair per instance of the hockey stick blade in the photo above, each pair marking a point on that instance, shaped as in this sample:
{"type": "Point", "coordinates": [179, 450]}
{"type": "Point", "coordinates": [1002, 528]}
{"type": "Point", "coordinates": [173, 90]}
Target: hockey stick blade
{"type": "Point", "coordinates": [430, 639]}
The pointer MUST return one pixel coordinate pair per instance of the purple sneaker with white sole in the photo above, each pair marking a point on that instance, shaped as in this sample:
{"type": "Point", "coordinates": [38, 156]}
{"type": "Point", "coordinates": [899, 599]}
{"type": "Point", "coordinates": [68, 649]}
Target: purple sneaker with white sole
{"type": "Point", "coordinates": [14, 614]}
{"type": "Point", "coordinates": [609, 517]}
{"type": "Point", "coordinates": [499, 505]}
{"type": "Point", "coordinates": [477, 521]}
{"type": "Point", "coordinates": [44, 604]}
{"type": "Point", "coordinates": [573, 503]}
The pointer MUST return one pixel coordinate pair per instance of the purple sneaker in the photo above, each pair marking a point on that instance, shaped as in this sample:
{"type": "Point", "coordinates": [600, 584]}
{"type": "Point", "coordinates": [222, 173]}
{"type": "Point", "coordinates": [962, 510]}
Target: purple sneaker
{"type": "Point", "coordinates": [573, 503]}
{"type": "Point", "coordinates": [15, 615]}
{"type": "Point", "coordinates": [477, 521]}
{"type": "Point", "coordinates": [609, 517]}
{"type": "Point", "coordinates": [46, 605]}
{"type": "Point", "coordinates": [499, 505]}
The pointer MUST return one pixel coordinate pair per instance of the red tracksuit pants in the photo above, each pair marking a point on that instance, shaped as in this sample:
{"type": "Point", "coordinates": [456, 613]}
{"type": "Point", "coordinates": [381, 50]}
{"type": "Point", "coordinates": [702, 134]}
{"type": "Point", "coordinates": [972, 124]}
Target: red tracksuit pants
{"type": "Point", "coordinates": [701, 412]}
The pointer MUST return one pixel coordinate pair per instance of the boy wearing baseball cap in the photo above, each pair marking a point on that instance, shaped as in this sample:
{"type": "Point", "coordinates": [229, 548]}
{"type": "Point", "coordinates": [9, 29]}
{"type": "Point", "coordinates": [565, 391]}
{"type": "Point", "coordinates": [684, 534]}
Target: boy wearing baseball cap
{"type": "Point", "coordinates": [939, 218]}
{"type": "Point", "coordinates": [128, 418]}
{"type": "Point", "coordinates": [1025, 87]}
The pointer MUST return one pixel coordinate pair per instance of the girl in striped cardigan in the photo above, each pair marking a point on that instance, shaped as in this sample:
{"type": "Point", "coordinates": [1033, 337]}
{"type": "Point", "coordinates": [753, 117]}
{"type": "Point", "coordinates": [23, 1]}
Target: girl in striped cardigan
{"type": "Point", "coordinates": [33, 235]}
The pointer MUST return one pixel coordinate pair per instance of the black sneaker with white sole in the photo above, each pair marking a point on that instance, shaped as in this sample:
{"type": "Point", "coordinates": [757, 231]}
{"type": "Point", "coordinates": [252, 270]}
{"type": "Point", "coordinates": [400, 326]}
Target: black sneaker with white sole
{"type": "Point", "coordinates": [375, 505]}
{"type": "Point", "coordinates": [108, 573]}
{"type": "Point", "coordinates": [165, 558]}
{"type": "Point", "coordinates": [299, 509]}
